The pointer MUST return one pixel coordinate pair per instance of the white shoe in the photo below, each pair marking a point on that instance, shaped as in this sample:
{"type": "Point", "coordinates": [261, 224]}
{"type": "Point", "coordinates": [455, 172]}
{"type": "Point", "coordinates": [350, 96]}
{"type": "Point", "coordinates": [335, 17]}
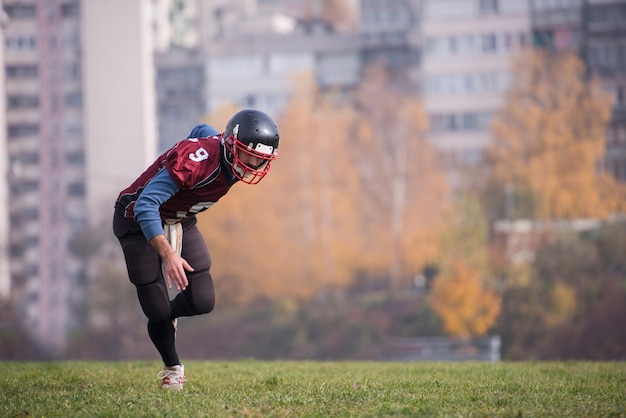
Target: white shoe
{"type": "Point", "coordinates": [172, 377]}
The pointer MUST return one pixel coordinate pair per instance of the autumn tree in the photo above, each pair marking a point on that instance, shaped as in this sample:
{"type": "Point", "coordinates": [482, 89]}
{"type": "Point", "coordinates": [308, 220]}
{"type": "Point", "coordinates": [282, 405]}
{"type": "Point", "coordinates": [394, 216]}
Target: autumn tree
{"type": "Point", "coordinates": [465, 305]}
{"type": "Point", "coordinates": [245, 236]}
{"type": "Point", "coordinates": [292, 234]}
{"type": "Point", "coordinates": [574, 302]}
{"type": "Point", "coordinates": [549, 139]}
{"type": "Point", "coordinates": [351, 192]}
{"type": "Point", "coordinates": [547, 159]}
{"type": "Point", "coordinates": [465, 293]}
{"type": "Point", "coordinates": [403, 186]}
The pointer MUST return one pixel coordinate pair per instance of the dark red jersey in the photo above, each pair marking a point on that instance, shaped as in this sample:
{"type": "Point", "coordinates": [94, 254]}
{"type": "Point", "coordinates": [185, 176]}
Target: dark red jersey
{"type": "Point", "coordinates": [196, 167]}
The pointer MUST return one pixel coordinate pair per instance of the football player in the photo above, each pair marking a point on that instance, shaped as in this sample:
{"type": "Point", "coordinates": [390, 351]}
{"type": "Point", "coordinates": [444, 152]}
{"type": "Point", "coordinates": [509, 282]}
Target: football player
{"type": "Point", "coordinates": [155, 222]}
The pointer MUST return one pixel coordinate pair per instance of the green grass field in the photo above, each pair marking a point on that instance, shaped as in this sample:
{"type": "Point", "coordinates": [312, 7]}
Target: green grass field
{"type": "Point", "coordinates": [315, 389]}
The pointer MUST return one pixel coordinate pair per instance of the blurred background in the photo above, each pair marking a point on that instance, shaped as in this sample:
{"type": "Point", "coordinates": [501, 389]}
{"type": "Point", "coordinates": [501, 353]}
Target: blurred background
{"type": "Point", "coordinates": [451, 183]}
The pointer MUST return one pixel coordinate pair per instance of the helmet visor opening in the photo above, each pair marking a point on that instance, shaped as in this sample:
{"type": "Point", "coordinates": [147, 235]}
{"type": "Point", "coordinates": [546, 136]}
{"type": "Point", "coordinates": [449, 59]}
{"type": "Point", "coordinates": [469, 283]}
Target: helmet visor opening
{"type": "Point", "coordinates": [250, 164]}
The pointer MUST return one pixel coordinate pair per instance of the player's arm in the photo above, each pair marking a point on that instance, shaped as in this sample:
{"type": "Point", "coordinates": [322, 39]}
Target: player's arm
{"type": "Point", "coordinates": [158, 190]}
{"type": "Point", "coordinates": [202, 130]}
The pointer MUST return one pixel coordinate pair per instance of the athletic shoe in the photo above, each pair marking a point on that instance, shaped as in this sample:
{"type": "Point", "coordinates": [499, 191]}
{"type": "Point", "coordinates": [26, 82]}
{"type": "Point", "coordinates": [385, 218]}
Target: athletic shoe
{"type": "Point", "coordinates": [172, 377]}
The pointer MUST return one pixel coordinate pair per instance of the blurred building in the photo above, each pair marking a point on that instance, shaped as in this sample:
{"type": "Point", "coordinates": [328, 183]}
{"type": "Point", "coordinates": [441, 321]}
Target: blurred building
{"type": "Point", "coordinates": [253, 49]}
{"type": "Point", "coordinates": [454, 52]}
{"type": "Point", "coordinates": [255, 68]}
{"type": "Point", "coordinates": [390, 34]}
{"type": "Point", "coordinates": [604, 49]}
{"type": "Point", "coordinates": [5, 277]}
{"type": "Point", "coordinates": [80, 117]}
{"type": "Point", "coordinates": [179, 71]}
{"type": "Point", "coordinates": [557, 25]}
{"type": "Point", "coordinates": [468, 47]}
{"type": "Point", "coordinates": [596, 31]}
{"type": "Point", "coordinates": [181, 93]}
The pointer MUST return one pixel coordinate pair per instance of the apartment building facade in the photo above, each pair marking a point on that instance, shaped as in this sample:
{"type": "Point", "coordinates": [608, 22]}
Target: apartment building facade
{"type": "Point", "coordinates": [604, 50]}
{"type": "Point", "coordinates": [5, 270]}
{"type": "Point", "coordinates": [180, 90]}
{"type": "Point", "coordinates": [455, 53]}
{"type": "Point", "coordinates": [80, 124]}
{"type": "Point", "coordinates": [468, 46]}
{"type": "Point", "coordinates": [255, 68]}
{"type": "Point", "coordinates": [251, 62]}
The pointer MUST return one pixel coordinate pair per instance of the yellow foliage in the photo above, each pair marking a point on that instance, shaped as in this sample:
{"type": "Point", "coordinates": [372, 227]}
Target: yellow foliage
{"type": "Point", "coordinates": [465, 305]}
{"type": "Point", "coordinates": [563, 304]}
{"type": "Point", "coordinates": [550, 138]}
{"type": "Point", "coordinates": [403, 187]}
{"type": "Point", "coordinates": [464, 235]}
{"type": "Point", "coordinates": [349, 193]}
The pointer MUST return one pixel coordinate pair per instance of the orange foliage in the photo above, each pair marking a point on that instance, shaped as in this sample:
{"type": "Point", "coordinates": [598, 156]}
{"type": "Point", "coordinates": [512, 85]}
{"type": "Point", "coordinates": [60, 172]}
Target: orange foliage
{"type": "Point", "coordinates": [313, 223]}
{"type": "Point", "coordinates": [462, 301]}
{"type": "Point", "coordinates": [550, 139]}
{"type": "Point", "coordinates": [403, 187]}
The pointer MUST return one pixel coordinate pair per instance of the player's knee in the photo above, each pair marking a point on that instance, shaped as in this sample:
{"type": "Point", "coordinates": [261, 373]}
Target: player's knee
{"type": "Point", "coordinates": [202, 296]}
{"type": "Point", "coordinates": [154, 301]}
{"type": "Point", "coordinates": [204, 304]}
{"type": "Point", "coordinates": [156, 312]}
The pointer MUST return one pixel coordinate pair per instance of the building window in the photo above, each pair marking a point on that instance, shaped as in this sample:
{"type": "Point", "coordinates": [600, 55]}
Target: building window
{"type": "Point", "coordinates": [21, 43]}
{"type": "Point", "coordinates": [75, 157]}
{"type": "Point", "coordinates": [620, 94]}
{"type": "Point", "coordinates": [74, 100]}
{"type": "Point", "coordinates": [31, 269]}
{"type": "Point", "coordinates": [620, 133]}
{"type": "Point", "coordinates": [76, 189]}
{"type": "Point", "coordinates": [22, 102]}
{"type": "Point", "coordinates": [30, 214]}
{"type": "Point", "coordinates": [459, 122]}
{"type": "Point", "coordinates": [452, 44]}
{"type": "Point", "coordinates": [543, 39]}
{"type": "Point", "coordinates": [71, 40]}
{"type": "Point", "coordinates": [74, 132]}
{"type": "Point", "coordinates": [52, 42]}
{"type": "Point", "coordinates": [20, 11]}
{"type": "Point", "coordinates": [489, 42]}
{"type": "Point", "coordinates": [488, 6]}
{"type": "Point", "coordinates": [70, 9]}
{"type": "Point", "coordinates": [21, 71]}
{"type": "Point", "coordinates": [29, 157]}
{"type": "Point", "coordinates": [54, 218]}
{"type": "Point", "coordinates": [51, 12]}
{"type": "Point", "coordinates": [250, 100]}
{"type": "Point", "coordinates": [22, 130]}
{"type": "Point", "coordinates": [466, 44]}
{"type": "Point", "coordinates": [72, 71]}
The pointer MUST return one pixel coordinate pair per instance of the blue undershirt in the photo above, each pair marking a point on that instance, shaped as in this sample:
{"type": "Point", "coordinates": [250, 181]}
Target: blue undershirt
{"type": "Point", "coordinates": [158, 191]}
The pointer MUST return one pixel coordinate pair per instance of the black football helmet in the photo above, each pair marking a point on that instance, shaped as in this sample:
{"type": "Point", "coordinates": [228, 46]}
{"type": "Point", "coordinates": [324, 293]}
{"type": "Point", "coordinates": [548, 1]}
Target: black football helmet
{"type": "Point", "coordinates": [254, 133]}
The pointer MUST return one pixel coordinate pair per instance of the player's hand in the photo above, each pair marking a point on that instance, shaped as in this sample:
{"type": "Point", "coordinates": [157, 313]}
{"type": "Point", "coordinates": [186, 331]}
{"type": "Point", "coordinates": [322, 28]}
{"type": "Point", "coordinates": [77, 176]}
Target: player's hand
{"type": "Point", "coordinates": [174, 268]}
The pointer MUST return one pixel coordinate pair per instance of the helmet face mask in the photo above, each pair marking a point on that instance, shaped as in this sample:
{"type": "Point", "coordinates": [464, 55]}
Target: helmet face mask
{"type": "Point", "coordinates": [250, 144]}
{"type": "Point", "coordinates": [242, 152]}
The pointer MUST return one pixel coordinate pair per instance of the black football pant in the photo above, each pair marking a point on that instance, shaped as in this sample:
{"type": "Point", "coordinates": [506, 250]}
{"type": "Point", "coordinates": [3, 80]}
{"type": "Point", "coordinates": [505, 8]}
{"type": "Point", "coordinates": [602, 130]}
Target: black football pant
{"type": "Point", "coordinates": [144, 271]}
